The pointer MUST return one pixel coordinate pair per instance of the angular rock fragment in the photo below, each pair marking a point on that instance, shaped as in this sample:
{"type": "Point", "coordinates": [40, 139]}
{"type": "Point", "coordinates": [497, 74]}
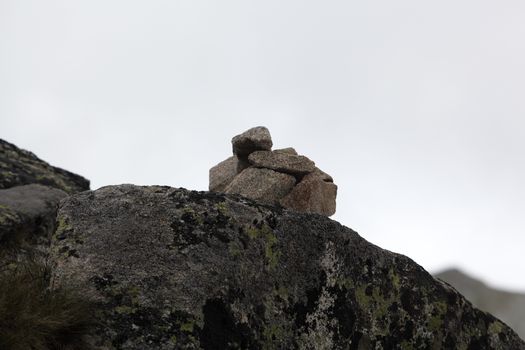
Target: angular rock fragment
{"type": "Point", "coordinates": [254, 139]}
{"type": "Point", "coordinates": [223, 173]}
{"type": "Point", "coordinates": [312, 195]}
{"type": "Point", "coordinates": [264, 185]}
{"type": "Point", "coordinates": [322, 175]}
{"type": "Point", "coordinates": [282, 162]}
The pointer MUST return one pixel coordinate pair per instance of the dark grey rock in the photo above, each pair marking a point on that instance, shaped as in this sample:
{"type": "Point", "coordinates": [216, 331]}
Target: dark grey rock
{"type": "Point", "coordinates": [20, 167]}
{"type": "Point", "coordinates": [254, 139]}
{"type": "Point", "coordinates": [176, 269]}
{"type": "Point", "coordinates": [264, 185]}
{"type": "Point", "coordinates": [282, 162]}
{"type": "Point", "coordinates": [27, 214]}
{"type": "Point", "coordinates": [507, 306]}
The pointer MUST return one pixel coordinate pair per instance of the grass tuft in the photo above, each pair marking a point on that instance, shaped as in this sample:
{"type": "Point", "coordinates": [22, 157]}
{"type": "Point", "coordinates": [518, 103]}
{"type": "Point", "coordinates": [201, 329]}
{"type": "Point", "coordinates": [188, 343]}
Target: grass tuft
{"type": "Point", "coordinates": [36, 317]}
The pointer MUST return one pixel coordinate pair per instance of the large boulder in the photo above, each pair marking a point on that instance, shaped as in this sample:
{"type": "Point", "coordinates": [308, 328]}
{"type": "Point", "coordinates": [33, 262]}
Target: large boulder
{"type": "Point", "coordinates": [177, 269]}
{"type": "Point", "coordinates": [20, 167]}
{"type": "Point", "coordinates": [27, 213]}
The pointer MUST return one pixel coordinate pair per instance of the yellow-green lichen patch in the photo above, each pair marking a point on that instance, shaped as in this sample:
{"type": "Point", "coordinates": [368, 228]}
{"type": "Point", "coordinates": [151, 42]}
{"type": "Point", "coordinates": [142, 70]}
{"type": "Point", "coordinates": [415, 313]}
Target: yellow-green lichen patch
{"type": "Point", "coordinates": [396, 282]}
{"type": "Point", "coordinates": [406, 345]}
{"type": "Point", "coordinates": [195, 217]}
{"type": "Point", "coordinates": [234, 249]}
{"type": "Point", "coordinates": [63, 226]}
{"type": "Point", "coordinates": [345, 283]}
{"type": "Point", "coordinates": [187, 327]}
{"type": "Point", "coordinates": [222, 208]}
{"type": "Point", "coordinates": [7, 216]}
{"type": "Point", "coordinates": [496, 327]}
{"type": "Point", "coordinates": [273, 335]}
{"type": "Point", "coordinates": [439, 309]}
{"type": "Point", "coordinates": [124, 309]}
{"type": "Point", "coordinates": [270, 241]}
{"type": "Point", "coordinates": [282, 292]}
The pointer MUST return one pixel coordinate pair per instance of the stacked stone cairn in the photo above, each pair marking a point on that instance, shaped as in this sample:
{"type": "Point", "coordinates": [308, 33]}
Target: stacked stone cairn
{"type": "Point", "coordinates": [274, 177]}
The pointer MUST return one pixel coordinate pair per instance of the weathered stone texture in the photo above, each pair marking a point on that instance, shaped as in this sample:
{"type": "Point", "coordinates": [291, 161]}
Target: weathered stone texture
{"type": "Point", "coordinates": [177, 269]}
{"type": "Point", "coordinates": [287, 150]}
{"type": "Point", "coordinates": [264, 185]}
{"type": "Point", "coordinates": [312, 195]}
{"type": "Point", "coordinates": [27, 214]}
{"type": "Point", "coordinates": [282, 162]}
{"type": "Point", "coordinates": [252, 149]}
{"type": "Point", "coordinates": [223, 173]}
{"type": "Point", "coordinates": [254, 139]}
{"type": "Point", "coordinates": [20, 167]}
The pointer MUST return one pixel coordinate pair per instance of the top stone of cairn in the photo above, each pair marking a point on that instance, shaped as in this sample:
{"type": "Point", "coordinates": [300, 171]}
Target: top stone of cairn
{"type": "Point", "coordinates": [254, 139]}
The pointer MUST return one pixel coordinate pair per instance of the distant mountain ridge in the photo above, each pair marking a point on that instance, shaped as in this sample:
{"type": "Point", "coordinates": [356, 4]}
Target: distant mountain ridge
{"type": "Point", "coordinates": [507, 306]}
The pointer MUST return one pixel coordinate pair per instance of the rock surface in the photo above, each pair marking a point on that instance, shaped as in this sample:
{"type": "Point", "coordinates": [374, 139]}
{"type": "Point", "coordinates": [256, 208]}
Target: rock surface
{"type": "Point", "coordinates": [223, 173]}
{"type": "Point", "coordinates": [252, 149]}
{"type": "Point", "coordinates": [251, 140]}
{"type": "Point", "coordinates": [20, 167]}
{"type": "Point", "coordinates": [28, 213]}
{"type": "Point", "coordinates": [507, 306]}
{"type": "Point", "coordinates": [287, 150]}
{"type": "Point", "coordinates": [312, 195]}
{"type": "Point", "coordinates": [282, 162]}
{"type": "Point", "coordinates": [177, 269]}
{"type": "Point", "coordinates": [264, 185]}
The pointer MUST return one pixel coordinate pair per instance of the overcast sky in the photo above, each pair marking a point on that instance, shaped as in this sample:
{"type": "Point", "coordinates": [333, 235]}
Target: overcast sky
{"type": "Point", "coordinates": [416, 108]}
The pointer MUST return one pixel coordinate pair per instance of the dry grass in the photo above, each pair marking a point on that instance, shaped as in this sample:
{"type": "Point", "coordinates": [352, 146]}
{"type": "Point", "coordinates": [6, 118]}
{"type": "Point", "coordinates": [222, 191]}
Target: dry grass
{"type": "Point", "coordinates": [35, 317]}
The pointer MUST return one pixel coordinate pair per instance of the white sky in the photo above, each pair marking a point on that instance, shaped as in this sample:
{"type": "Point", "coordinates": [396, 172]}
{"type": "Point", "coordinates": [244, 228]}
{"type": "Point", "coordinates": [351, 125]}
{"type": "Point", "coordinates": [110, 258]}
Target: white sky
{"type": "Point", "coordinates": [416, 108]}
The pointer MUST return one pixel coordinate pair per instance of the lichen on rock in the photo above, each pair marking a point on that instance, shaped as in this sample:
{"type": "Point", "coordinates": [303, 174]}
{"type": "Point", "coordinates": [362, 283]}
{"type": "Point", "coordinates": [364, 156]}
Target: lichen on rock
{"type": "Point", "coordinates": [178, 269]}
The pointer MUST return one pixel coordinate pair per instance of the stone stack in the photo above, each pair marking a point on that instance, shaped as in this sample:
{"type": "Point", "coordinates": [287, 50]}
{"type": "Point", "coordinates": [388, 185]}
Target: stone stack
{"type": "Point", "coordinates": [274, 177]}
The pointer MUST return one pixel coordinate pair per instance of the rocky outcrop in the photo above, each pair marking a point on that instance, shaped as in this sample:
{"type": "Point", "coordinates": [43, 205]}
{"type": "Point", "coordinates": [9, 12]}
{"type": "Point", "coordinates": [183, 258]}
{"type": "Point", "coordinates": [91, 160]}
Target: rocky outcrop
{"type": "Point", "coordinates": [273, 177]}
{"type": "Point", "coordinates": [507, 306]}
{"type": "Point", "coordinates": [178, 269]}
{"type": "Point", "coordinates": [27, 214]}
{"type": "Point", "coordinates": [20, 167]}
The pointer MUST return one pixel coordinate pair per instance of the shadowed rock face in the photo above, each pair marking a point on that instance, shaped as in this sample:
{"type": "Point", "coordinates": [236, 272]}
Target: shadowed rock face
{"type": "Point", "coordinates": [20, 167]}
{"type": "Point", "coordinates": [508, 306]}
{"type": "Point", "coordinates": [178, 269]}
{"type": "Point", "coordinates": [27, 213]}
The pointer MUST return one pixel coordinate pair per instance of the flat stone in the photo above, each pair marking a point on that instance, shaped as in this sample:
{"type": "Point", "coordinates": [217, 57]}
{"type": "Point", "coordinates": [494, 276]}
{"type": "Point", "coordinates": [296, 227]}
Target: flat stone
{"type": "Point", "coordinates": [223, 173]}
{"type": "Point", "coordinates": [282, 162]}
{"type": "Point", "coordinates": [312, 195]}
{"type": "Point", "coordinates": [263, 185]}
{"type": "Point", "coordinates": [287, 150]}
{"type": "Point", "coordinates": [254, 139]}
